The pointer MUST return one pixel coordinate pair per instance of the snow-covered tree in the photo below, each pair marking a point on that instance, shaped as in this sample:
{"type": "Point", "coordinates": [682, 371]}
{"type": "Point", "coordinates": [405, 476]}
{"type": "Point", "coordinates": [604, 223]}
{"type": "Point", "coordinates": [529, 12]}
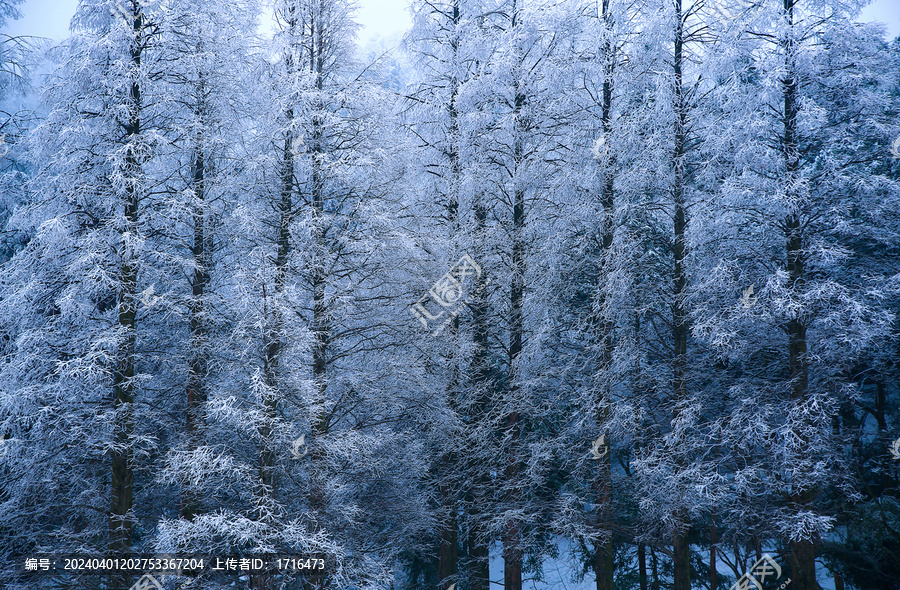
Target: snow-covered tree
{"type": "Point", "coordinates": [74, 356]}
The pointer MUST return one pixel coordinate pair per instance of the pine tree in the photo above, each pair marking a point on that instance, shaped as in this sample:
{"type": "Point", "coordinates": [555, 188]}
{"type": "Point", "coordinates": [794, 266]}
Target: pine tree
{"type": "Point", "coordinates": [87, 215]}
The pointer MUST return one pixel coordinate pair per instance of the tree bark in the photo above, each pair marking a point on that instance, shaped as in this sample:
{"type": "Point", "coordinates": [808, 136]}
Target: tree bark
{"type": "Point", "coordinates": [512, 536]}
{"type": "Point", "coordinates": [321, 329]}
{"type": "Point", "coordinates": [272, 337]}
{"type": "Point", "coordinates": [321, 325]}
{"type": "Point", "coordinates": [121, 523]}
{"type": "Point", "coordinates": [478, 564]}
{"type": "Point", "coordinates": [803, 553]}
{"type": "Point", "coordinates": [681, 560]}
{"type": "Point", "coordinates": [603, 549]}
{"type": "Point", "coordinates": [478, 551]}
{"type": "Point", "coordinates": [197, 365]}
{"type": "Point", "coordinates": [448, 553]}
{"type": "Point", "coordinates": [642, 566]}
{"type": "Point", "coordinates": [680, 327]}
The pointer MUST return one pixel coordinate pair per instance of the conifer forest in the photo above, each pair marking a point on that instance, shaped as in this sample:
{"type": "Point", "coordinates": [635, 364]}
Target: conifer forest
{"type": "Point", "coordinates": [548, 295]}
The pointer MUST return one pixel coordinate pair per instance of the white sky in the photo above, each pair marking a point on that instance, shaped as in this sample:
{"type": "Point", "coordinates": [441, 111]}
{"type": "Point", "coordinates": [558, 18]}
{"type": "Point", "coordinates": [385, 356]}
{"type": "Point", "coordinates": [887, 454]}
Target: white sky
{"type": "Point", "coordinates": [50, 18]}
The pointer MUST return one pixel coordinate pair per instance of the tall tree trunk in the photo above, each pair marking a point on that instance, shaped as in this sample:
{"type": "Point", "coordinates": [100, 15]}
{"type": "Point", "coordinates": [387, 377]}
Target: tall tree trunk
{"type": "Point", "coordinates": [680, 328]}
{"type": "Point", "coordinates": [321, 330]}
{"type": "Point", "coordinates": [512, 551]}
{"type": "Point", "coordinates": [681, 560]}
{"type": "Point", "coordinates": [512, 536]}
{"type": "Point", "coordinates": [603, 549]}
{"type": "Point", "coordinates": [272, 343]}
{"type": "Point", "coordinates": [272, 337]}
{"type": "Point", "coordinates": [121, 523]}
{"type": "Point", "coordinates": [803, 554]}
{"type": "Point", "coordinates": [448, 554]}
{"type": "Point", "coordinates": [321, 326]}
{"type": "Point", "coordinates": [713, 572]}
{"type": "Point", "coordinates": [642, 566]}
{"type": "Point", "coordinates": [478, 550]}
{"type": "Point", "coordinates": [197, 364]}
{"type": "Point", "coordinates": [478, 572]}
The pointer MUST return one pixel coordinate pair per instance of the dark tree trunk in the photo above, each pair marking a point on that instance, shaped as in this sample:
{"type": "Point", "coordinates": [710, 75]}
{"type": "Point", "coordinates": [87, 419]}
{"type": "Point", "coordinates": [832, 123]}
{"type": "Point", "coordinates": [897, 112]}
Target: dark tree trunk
{"type": "Point", "coordinates": [603, 550]}
{"type": "Point", "coordinates": [321, 325]}
{"type": "Point", "coordinates": [272, 343]}
{"type": "Point", "coordinates": [321, 329]}
{"type": "Point", "coordinates": [642, 566]}
{"type": "Point", "coordinates": [803, 552]}
{"type": "Point", "coordinates": [272, 337]}
{"type": "Point", "coordinates": [480, 571]}
{"type": "Point", "coordinates": [680, 327]}
{"type": "Point", "coordinates": [121, 518]}
{"type": "Point", "coordinates": [681, 561]}
{"type": "Point", "coordinates": [448, 554]}
{"type": "Point", "coordinates": [197, 365]}
{"type": "Point", "coordinates": [603, 565]}
{"type": "Point", "coordinates": [512, 535]}
{"type": "Point", "coordinates": [478, 566]}
{"type": "Point", "coordinates": [803, 563]}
